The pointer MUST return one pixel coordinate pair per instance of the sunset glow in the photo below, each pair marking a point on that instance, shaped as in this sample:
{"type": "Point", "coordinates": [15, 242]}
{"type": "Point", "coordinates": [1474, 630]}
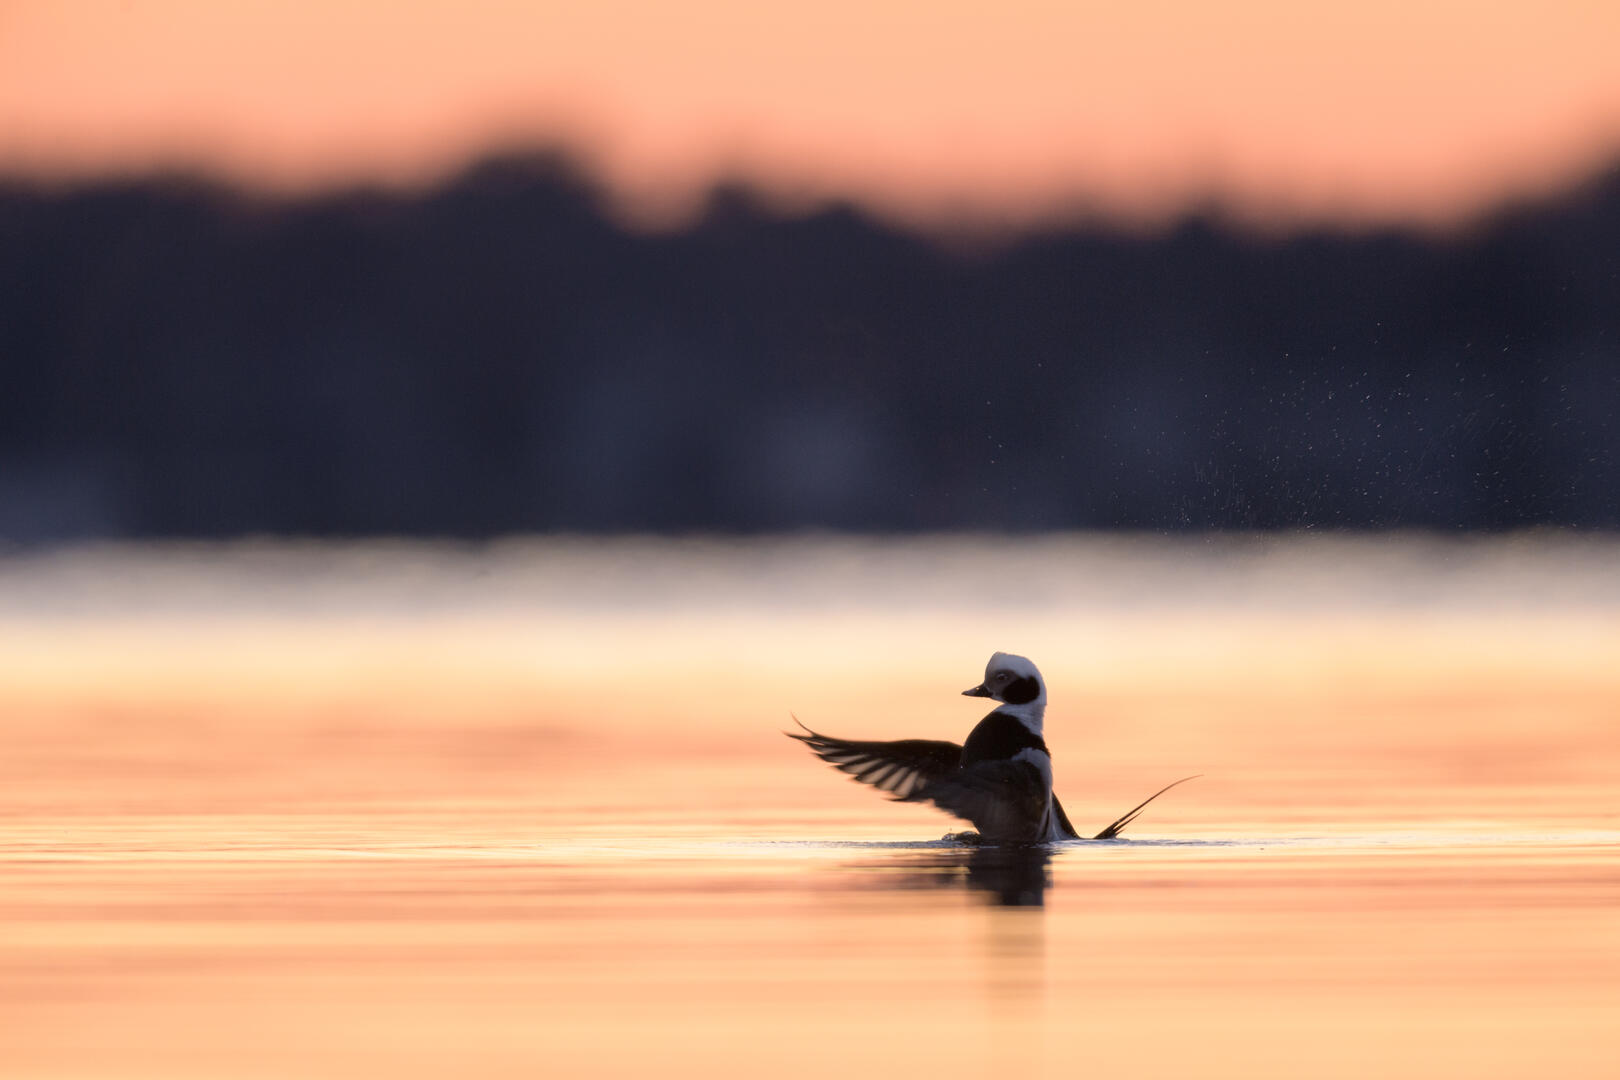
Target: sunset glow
{"type": "Point", "coordinates": [1372, 110]}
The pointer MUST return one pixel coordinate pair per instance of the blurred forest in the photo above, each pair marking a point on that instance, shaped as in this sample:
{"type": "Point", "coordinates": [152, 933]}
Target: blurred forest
{"type": "Point", "coordinates": [500, 355]}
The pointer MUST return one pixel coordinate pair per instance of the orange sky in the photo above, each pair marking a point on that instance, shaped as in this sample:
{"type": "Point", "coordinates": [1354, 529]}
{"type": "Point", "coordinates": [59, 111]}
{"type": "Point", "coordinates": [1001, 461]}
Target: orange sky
{"type": "Point", "coordinates": [1364, 110]}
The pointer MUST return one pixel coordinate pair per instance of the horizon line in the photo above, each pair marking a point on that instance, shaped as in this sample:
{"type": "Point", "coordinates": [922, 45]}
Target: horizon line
{"type": "Point", "coordinates": [688, 207]}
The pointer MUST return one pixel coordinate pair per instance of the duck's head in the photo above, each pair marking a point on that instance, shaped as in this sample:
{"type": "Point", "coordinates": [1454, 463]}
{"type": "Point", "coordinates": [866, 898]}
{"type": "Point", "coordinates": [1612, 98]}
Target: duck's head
{"type": "Point", "coordinates": [1012, 680]}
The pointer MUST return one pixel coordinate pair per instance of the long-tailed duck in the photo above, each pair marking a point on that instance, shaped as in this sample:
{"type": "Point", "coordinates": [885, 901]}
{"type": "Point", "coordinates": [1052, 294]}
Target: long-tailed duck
{"type": "Point", "coordinates": [1000, 779]}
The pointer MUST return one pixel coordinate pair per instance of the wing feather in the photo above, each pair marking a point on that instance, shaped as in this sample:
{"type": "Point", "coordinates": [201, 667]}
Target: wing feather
{"type": "Point", "coordinates": [1006, 800]}
{"type": "Point", "coordinates": [1063, 819]}
{"type": "Point", "coordinates": [900, 767]}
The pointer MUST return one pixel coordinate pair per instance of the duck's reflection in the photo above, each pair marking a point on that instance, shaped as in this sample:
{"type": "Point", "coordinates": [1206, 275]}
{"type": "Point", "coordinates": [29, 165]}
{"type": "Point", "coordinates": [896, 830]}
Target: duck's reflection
{"type": "Point", "coordinates": [1010, 876]}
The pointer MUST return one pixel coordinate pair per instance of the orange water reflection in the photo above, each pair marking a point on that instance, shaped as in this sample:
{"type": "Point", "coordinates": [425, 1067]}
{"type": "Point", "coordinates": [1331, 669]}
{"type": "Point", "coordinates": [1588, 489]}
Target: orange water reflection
{"type": "Point", "coordinates": [265, 839]}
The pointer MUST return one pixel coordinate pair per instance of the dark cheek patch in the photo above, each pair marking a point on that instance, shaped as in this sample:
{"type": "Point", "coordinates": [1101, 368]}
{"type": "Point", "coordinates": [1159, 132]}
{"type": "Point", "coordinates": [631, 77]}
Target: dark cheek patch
{"type": "Point", "coordinates": [1021, 691]}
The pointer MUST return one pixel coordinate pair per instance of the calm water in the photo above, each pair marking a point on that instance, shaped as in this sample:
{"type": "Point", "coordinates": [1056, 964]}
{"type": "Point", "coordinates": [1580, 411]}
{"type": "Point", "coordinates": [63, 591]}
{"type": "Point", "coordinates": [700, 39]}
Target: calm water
{"type": "Point", "coordinates": [525, 811]}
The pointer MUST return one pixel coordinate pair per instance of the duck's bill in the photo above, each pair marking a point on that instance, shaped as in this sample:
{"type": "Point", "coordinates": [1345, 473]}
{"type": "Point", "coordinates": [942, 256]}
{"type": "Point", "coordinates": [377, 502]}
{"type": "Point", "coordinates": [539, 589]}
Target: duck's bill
{"type": "Point", "coordinates": [977, 691]}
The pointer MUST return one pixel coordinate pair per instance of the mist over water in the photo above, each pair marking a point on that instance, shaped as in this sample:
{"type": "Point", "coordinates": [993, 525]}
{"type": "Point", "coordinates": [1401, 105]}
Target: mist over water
{"type": "Point", "coordinates": [278, 809]}
{"type": "Point", "coordinates": [1083, 573]}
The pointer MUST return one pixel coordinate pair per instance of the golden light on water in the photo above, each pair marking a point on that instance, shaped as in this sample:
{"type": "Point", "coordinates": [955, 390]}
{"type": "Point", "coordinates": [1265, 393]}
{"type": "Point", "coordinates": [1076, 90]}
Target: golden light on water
{"type": "Point", "coordinates": [395, 811]}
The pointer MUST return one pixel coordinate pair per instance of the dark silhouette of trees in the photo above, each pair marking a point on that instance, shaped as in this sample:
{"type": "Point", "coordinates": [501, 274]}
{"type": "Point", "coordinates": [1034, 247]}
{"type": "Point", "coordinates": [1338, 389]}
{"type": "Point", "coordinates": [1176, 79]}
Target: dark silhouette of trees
{"type": "Point", "coordinates": [497, 355]}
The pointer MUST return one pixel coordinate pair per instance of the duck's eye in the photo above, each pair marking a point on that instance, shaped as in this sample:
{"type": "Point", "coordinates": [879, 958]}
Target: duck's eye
{"type": "Point", "coordinates": [1001, 676]}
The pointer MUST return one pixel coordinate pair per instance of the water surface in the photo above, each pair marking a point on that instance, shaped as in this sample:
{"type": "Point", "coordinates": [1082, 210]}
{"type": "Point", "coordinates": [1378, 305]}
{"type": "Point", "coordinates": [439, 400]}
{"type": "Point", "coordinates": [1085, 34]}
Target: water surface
{"type": "Point", "coordinates": [526, 811]}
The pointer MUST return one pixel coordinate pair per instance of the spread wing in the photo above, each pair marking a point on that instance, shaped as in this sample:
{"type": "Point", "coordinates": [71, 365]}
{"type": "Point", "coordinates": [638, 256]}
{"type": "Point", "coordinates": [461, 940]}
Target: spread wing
{"type": "Point", "coordinates": [902, 768]}
{"type": "Point", "coordinates": [1005, 800]}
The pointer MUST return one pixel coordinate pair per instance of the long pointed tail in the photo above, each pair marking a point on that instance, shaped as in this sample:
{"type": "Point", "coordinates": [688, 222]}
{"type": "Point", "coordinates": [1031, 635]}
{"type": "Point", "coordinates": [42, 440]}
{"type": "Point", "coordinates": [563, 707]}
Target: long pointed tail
{"type": "Point", "coordinates": [1117, 827]}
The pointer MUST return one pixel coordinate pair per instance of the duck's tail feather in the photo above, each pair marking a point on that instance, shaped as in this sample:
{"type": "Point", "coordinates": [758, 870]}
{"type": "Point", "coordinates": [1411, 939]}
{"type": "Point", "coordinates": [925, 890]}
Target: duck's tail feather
{"type": "Point", "coordinates": [1117, 827]}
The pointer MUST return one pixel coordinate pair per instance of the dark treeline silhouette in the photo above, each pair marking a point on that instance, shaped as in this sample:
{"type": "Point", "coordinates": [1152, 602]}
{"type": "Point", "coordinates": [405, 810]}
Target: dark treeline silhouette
{"type": "Point", "coordinates": [498, 355]}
